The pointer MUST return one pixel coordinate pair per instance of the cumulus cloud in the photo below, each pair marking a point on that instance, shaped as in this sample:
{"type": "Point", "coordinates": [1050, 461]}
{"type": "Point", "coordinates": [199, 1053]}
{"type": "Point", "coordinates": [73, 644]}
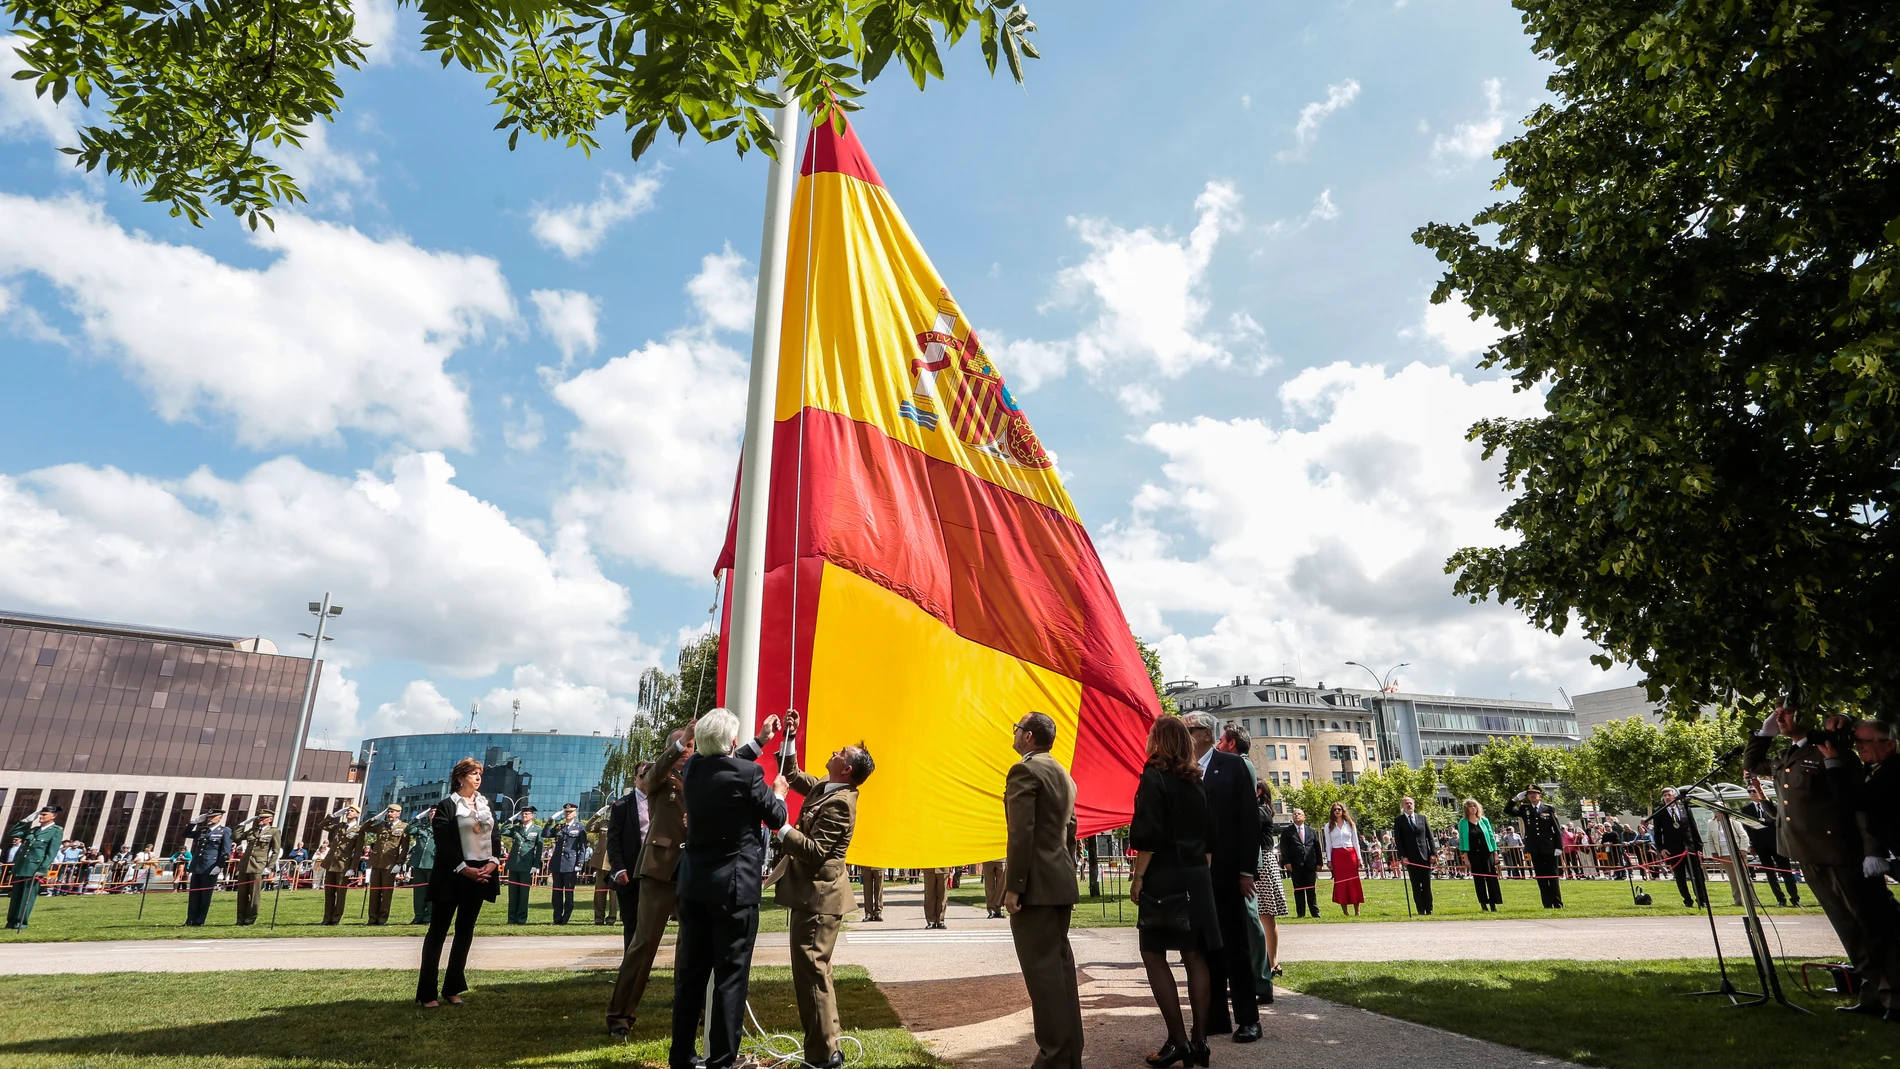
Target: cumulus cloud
{"type": "Point", "coordinates": [331, 176]}
{"type": "Point", "coordinates": [429, 573]}
{"type": "Point", "coordinates": [376, 27]}
{"type": "Point", "coordinates": [658, 431]}
{"type": "Point", "coordinates": [26, 116]}
{"type": "Point", "coordinates": [1474, 140]}
{"type": "Point", "coordinates": [574, 230]}
{"type": "Point", "coordinates": [339, 331]}
{"type": "Point", "coordinates": [1320, 537]}
{"type": "Point", "coordinates": [1452, 326]}
{"type": "Point", "coordinates": [1314, 115]}
{"type": "Point", "coordinates": [570, 319]}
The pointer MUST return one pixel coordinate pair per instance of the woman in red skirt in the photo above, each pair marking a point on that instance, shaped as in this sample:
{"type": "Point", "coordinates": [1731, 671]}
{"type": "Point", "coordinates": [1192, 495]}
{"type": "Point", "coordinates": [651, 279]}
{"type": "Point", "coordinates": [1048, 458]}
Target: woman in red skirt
{"type": "Point", "coordinates": [1342, 844]}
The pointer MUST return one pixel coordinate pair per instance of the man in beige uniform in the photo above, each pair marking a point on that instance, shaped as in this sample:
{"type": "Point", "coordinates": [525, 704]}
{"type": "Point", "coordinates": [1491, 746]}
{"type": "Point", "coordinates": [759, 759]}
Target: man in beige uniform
{"type": "Point", "coordinates": [993, 887]}
{"type": "Point", "coordinates": [606, 903]}
{"type": "Point", "coordinates": [262, 847]}
{"type": "Point", "coordinates": [1039, 810]}
{"type": "Point", "coordinates": [346, 849]}
{"type": "Point", "coordinates": [813, 883]}
{"type": "Point", "coordinates": [388, 850]}
{"type": "Point", "coordinates": [873, 881]}
{"type": "Point", "coordinates": [936, 896]}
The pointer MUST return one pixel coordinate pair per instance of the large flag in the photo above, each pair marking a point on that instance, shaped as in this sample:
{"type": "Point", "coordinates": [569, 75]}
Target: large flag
{"type": "Point", "coordinates": [927, 579]}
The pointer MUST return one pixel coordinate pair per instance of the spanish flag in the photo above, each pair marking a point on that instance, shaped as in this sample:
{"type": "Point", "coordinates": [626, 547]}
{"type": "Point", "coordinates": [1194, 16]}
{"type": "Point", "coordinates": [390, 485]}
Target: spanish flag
{"type": "Point", "coordinates": [927, 578]}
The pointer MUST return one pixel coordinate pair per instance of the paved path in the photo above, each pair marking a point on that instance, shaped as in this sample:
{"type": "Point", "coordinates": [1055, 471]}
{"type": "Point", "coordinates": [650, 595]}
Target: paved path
{"type": "Point", "coordinates": [961, 991]}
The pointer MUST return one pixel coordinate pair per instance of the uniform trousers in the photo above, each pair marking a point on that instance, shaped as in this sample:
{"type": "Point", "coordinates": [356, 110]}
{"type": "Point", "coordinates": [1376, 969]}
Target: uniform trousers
{"type": "Point", "coordinates": [993, 886]}
{"type": "Point", "coordinates": [936, 894]}
{"type": "Point", "coordinates": [1041, 935]}
{"type": "Point", "coordinates": [423, 907]}
{"type": "Point", "coordinates": [382, 892]}
{"type": "Point", "coordinates": [606, 902]}
{"type": "Point", "coordinates": [462, 910]}
{"type": "Point", "coordinates": [1862, 912]}
{"type": "Point", "coordinates": [250, 888]}
{"type": "Point", "coordinates": [198, 905]}
{"type": "Point", "coordinates": [873, 893]}
{"type": "Point", "coordinates": [1544, 866]}
{"type": "Point", "coordinates": [813, 937]}
{"type": "Point", "coordinates": [20, 901]}
{"type": "Point", "coordinates": [715, 940]}
{"type": "Point", "coordinates": [563, 895]}
{"type": "Point", "coordinates": [519, 884]}
{"type": "Point", "coordinates": [1231, 967]}
{"type": "Point", "coordinates": [655, 901]}
{"type": "Point", "coordinates": [1305, 890]}
{"type": "Point", "coordinates": [336, 893]}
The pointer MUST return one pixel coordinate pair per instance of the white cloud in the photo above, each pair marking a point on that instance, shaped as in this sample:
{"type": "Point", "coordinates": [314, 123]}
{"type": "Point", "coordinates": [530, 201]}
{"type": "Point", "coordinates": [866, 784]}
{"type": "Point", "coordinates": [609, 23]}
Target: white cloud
{"type": "Point", "coordinates": [660, 429]}
{"type": "Point", "coordinates": [1321, 537]}
{"type": "Point", "coordinates": [524, 433]}
{"type": "Point", "coordinates": [339, 331]}
{"type": "Point", "coordinates": [24, 115]}
{"type": "Point", "coordinates": [427, 572]}
{"type": "Point", "coordinates": [1476, 139]}
{"type": "Point", "coordinates": [570, 319]}
{"type": "Point", "coordinates": [376, 27]}
{"type": "Point", "coordinates": [330, 176]}
{"type": "Point", "coordinates": [1322, 211]}
{"type": "Point", "coordinates": [1452, 327]}
{"type": "Point", "coordinates": [1315, 114]}
{"type": "Point", "coordinates": [1246, 101]}
{"type": "Point", "coordinates": [574, 230]}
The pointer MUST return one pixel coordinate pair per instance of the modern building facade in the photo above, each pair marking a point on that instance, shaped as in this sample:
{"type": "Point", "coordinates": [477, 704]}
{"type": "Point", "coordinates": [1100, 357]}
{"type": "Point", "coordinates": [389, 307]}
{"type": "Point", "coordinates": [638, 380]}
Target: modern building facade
{"type": "Point", "coordinates": [135, 730]}
{"type": "Point", "coordinates": [1335, 733]}
{"type": "Point", "coordinates": [545, 769]}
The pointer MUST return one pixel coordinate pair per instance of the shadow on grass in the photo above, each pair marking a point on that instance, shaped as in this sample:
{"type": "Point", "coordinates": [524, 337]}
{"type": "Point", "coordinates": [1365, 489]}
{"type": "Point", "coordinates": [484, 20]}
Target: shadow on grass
{"type": "Point", "coordinates": [510, 1019]}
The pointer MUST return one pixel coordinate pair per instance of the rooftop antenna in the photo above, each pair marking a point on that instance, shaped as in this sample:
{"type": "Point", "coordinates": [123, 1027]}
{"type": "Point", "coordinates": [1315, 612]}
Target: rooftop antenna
{"type": "Point", "coordinates": [473, 708]}
{"type": "Point", "coordinates": [516, 726]}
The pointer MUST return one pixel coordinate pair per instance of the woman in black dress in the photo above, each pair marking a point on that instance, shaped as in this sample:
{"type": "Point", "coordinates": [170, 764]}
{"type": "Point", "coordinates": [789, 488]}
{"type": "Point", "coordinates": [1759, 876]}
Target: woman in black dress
{"type": "Point", "coordinates": [1169, 834]}
{"type": "Point", "coordinates": [467, 842]}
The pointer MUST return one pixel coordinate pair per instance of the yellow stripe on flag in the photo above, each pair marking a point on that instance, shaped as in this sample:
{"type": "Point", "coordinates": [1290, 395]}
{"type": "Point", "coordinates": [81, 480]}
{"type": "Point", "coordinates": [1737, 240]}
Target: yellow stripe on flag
{"type": "Point", "coordinates": [938, 726]}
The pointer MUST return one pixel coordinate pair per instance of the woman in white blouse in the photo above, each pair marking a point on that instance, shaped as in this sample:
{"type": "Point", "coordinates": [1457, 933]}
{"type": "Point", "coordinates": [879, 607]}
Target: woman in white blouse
{"type": "Point", "coordinates": [467, 842]}
{"type": "Point", "coordinates": [1342, 845]}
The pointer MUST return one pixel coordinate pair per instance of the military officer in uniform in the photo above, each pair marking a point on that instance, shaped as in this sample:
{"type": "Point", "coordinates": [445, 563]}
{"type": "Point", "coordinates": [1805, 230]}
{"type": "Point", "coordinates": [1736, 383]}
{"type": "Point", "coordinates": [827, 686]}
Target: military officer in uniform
{"type": "Point", "coordinates": [421, 863]}
{"type": "Point", "coordinates": [811, 881]}
{"type": "Point", "coordinates": [39, 843]}
{"type": "Point", "coordinates": [873, 881]}
{"type": "Point", "coordinates": [523, 840]}
{"type": "Point", "coordinates": [1543, 841]}
{"type": "Point", "coordinates": [936, 897]}
{"type": "Point", "coordinates": [606, 902]}
{"type": "Point", "coordinates": [384, 836]}
{"type": "Point", "coordinates": [993, 887]}
{"type": "Point", "coordinates": [1818, 828]}
{"type": "Point", "coordinates": [211, 847]}
{"type": "Point", "coordinates": [569, 841]}
{"type": "Point", "coordinates": [262, 847]}
{"type": "Point", "coordinates": [346, 848]}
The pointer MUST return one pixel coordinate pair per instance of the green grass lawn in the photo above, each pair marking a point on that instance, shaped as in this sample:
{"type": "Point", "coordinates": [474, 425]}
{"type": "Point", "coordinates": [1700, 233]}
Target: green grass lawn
{"type": "Point", "coordinates": [309, 1020]}
{"type": "Point", "coordinates": [90, 917]}
{"type": "Point", "coordinates": [1624, 1014]}
{"type": "Point", "coordinates": [1451, 900]}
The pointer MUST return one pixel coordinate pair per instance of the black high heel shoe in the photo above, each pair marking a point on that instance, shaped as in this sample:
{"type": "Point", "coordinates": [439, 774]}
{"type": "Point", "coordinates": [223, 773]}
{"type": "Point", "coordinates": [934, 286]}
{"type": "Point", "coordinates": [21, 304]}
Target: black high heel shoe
{"type": "Point", "coordinates": [1170, 1054]}
{"type": "Point", "coordinates": [1198, 1054]}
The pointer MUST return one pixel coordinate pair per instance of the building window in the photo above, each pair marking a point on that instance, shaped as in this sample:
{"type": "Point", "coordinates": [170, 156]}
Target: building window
{"type": "Point", "coordinates": [48, 655]}
{"type": "Point", "coordinates": [207, 736]}
{"type": "Point", "coordinates": [1302, 753]}
{"type": "Point", "coordinates": [1306, 777]}
{"type": "Point", "coordinates": [1339, 777]}
{"type": "Point", "coordinates": [158, 700]}
{"type": "Point", "coordinates": [169, 668]}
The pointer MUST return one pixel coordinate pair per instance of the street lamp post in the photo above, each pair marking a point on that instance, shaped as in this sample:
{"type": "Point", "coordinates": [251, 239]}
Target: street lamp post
{"type": "Point", "coordinates": [323, 611]}
{"type": "Point", "coordinates": [1386, 738]}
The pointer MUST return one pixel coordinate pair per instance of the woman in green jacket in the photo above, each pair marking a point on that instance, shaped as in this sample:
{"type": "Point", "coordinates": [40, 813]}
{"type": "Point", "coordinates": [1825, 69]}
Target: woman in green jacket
{"type": "Point", "coordinates": [1479, 845]}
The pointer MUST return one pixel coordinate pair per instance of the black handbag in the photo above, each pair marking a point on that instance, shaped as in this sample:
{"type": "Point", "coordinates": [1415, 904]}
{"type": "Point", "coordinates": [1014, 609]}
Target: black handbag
{"type": "Point", "coordinates": [1165, 915]}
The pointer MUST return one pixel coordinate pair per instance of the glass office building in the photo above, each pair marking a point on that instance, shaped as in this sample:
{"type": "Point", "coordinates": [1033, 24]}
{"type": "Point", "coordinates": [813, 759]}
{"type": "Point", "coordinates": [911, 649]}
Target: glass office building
{"type": "Point", "coordinates": [134, 730]}
{"type": "Point", "coordinates": [545, 769]}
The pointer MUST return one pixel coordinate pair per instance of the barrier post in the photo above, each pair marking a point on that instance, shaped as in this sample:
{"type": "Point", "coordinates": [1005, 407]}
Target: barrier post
{"type": "Point", "coordinates": [146, 886]}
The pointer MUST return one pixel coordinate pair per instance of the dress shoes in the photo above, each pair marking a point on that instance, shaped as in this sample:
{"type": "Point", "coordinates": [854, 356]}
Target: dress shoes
{"type": "Point", "coordinates": [1872, 1009]}
{"type": "Point", "coordinates": [1247, 1033]}
{"type": "Point", "coordinates": [1198, 1054]}
{"type": "Point", "coordinates": [836, 1061]}
{"type": "Point", "coordinates": [1220, 1028]}
{"type": "Point", "coordinates": [1170, 1054]}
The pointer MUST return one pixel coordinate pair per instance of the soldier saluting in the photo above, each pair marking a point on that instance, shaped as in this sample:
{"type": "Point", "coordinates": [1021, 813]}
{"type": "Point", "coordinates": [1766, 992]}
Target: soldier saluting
{"type": "Point", "coordinates": [346, 848]}
{"type": "Point", "coordinates": [523, 839]}
{"type": "Point", "coordinates": [262, 846]}
{"type": "Point", "coordinates": [38, 841]}
{"type": "Point", "coordinates": [384, 838]}
{"type": "Point", "coordinates": [211, 846]}
{"type": "Point", "coordinates": [421, 863]}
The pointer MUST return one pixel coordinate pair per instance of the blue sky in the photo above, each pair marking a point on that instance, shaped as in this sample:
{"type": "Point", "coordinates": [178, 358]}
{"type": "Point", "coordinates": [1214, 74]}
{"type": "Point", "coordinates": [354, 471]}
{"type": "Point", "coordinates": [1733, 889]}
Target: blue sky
{"type": "Point", "coordinates": [490, 399]}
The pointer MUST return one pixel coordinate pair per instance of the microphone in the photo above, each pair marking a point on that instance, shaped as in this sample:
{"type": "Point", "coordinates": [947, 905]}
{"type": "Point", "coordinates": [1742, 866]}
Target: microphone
{"type": "Point", "coordinates": [1730, 754]}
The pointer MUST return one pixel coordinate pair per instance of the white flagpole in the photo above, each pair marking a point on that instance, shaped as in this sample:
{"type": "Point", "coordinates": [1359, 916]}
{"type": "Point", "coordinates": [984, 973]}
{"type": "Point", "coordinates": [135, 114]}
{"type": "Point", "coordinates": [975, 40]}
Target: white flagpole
{"type": "Point", "coordinates": [755, 475]}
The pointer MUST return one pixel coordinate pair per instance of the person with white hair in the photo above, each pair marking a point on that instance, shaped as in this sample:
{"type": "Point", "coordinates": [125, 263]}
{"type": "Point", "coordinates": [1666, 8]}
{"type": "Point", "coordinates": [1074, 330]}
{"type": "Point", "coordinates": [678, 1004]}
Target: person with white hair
{"type": "Point", "coordinates": [726, 799]}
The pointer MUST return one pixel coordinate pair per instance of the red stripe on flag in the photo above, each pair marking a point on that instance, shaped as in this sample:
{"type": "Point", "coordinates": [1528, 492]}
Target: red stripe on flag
{"type": "Point", "coordinates": [828, 150]}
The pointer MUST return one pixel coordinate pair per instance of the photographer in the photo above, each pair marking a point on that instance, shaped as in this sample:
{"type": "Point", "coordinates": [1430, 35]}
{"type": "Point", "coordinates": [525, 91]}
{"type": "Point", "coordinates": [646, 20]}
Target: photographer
{"type": "Point", "coordinates": [1817, 826]}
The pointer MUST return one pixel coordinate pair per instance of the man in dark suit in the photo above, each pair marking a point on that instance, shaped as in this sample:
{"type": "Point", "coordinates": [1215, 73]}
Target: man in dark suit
{"type": "Point", "coordinates": [627, 821]}
{"type": "Point", "coordinates": [1299, 852]}
{"type": "Point", "coordinates": [1233, 818]}
{"type": "Point", "coordinates": [1681, 842]}
{"type": "Point", "coordinates": [1761, 840]}
{"type": "Point", "coordinates": [720, 875]}
{"type": "Point", "coordinates": [1543, 841]}
{"type": "Point", "coordinates": [1413, 837]}
{"type": "Point", "coordinates": [1040, 892]}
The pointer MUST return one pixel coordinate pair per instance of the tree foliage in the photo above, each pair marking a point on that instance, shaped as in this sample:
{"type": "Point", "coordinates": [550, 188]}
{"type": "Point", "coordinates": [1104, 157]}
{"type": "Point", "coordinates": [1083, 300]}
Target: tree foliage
{"type": "Point", "coordinates": [1152, 659]}
{"type": "Point", "coordinates": [1698, 262]}
{"type": "Point", "coordinates": [193, 90]}
{"type": "Point", "coordinates": [665, 702]}
{"type": "Point", "coordinates": [1502, 768]}
{"type": "Point", "coordinates": [1624, 764]}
